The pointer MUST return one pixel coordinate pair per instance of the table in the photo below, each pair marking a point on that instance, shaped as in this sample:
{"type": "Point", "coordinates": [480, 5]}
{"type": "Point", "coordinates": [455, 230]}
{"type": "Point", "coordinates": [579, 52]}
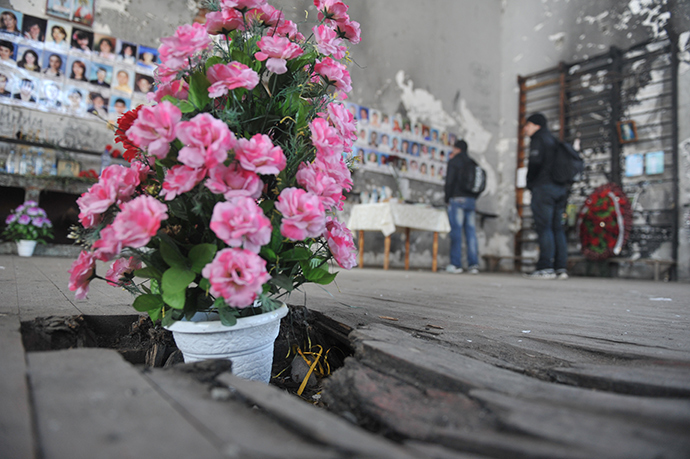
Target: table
{"type": "Point", "coordinates": [389, 217]}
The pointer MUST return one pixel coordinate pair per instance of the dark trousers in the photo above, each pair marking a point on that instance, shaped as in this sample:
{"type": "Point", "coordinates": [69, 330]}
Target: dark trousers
{"type": "Point", "coordinates": [548, 206]}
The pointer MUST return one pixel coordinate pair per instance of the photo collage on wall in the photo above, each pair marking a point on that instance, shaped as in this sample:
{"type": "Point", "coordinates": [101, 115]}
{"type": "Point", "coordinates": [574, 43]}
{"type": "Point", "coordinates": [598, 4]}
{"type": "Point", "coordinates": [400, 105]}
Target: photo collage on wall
{"type": "Point", "coordinates": [415, 151]}
{"type": "Point", "coordinates": [60, 67]}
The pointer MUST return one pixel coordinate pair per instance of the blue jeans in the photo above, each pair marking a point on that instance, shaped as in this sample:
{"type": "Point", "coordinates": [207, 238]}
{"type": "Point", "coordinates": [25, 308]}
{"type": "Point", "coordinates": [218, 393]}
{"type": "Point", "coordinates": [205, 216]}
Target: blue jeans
{"type": "Point", "coordinates": [548, 206]}
{"type": "Point", "coordinates": [462, 216]}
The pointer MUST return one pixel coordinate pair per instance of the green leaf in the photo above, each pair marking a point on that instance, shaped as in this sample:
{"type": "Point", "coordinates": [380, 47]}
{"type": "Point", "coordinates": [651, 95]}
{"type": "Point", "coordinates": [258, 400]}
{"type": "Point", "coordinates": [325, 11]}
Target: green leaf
{"type": "Point", "coordinates": [176, 280]}
{"type": "Point", "coordinates": [282, 281]}
{"type": "Point", "coordinates": [268, 254]}
{"type": "Point", "coordinates": [296, 254]}
{"type": "Point", "coordinates": [204, 284]}
{"type": "Point", "coordinates": [168, 320]}
{"type": "Point", "coordinates": [326, 279]}
{"type": "Point", "coordinates": [155, 314]}
{"type": "Point", "coordinates": [213, 60]}
{"type": "Point", "coordinates": [147, 273]}
{"type": "Point", "coordinates": [228, 317]}
{"type": "Point", "coordinates": [198, 90]}
{"type": "Point", "coordinates": [239, 56]}
{"type": "Point", "coordinates": [175, 300]}
{"type": "Point", "coordinates": [148, 302]}
{"type": "Point", "coordinates": [201, 255]}
{"type": "Point", "coordinates": [172, 255]}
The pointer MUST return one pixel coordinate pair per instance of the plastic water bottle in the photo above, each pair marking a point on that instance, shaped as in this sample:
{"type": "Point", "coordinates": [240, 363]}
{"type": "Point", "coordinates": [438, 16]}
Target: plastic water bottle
{"type": "Point", "coordinates": [105, 159]}
{"type": "Point", "coordinates": [23, 166]}
{"type": "Point", "coordinates": [10, 164]}
{"type": "Point", "coordinates": [38, 164]}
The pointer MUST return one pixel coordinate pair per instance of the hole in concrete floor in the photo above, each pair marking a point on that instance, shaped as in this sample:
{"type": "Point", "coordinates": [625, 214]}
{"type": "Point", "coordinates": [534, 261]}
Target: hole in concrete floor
{"type": "Point", "coordinates": [140, 342]}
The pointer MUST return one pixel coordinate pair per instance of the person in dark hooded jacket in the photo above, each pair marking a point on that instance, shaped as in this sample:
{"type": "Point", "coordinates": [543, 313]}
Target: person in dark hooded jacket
{"type": "Point", "coordinates": [548, 201]}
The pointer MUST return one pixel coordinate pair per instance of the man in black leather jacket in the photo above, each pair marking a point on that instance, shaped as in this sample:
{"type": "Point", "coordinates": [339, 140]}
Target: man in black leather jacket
{"type": "Point", "coordinates": [548, 201]}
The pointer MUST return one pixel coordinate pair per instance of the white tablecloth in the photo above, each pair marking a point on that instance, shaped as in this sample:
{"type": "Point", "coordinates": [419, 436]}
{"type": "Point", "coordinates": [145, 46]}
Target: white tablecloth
{"type": "Point", "coordinates": [387, 216]}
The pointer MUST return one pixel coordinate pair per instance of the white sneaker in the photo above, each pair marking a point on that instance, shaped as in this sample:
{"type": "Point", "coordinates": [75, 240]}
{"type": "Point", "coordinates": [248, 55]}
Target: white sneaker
{"type": "Point", "coordinates": [474, 270]}
{"type": "Point", "coordinates": [453, 269]}
{"type": "Point", "coordinates": [541, 274]}
{"type": "Point", "coordinates": [562, 275]}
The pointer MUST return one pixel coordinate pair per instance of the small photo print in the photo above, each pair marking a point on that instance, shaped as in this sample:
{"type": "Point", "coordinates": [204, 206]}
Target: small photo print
{"type": "Point", "coordinates": [101, 74]}
{"type": "Point", "coordinates": [67, 168]}
{"type": "Point", "coordinates": [29, 58]}
{"type": "Point", "coordinates": [373, 136]}
{"type": "Point", "coordinates": [405, 146]}
{"type": "Point", "coordinates": [414, 149]}
{"type": "Point", "coordinates": [104, 46]}
{"type": "Point", "coordinates": [74, 101]}
{"type": "Point", "coordinates": [383, 159]}
{"type": "Point", "coordinates": [124, 80]}
{"type": "Point", "coordinates": [414, 166]}
{"type": "Point", "coordinates": [126, 52]}
{"type": "Point", "coordinates": [82, 12]}
{"type": "Point", "coordinates": [34, 28]}
{"type": "Point", "coordinates": [374, 118]}
{"type": "Point", "coordinates": [371, 157]}
{"type": "Point", "coordinates": [81, 40]}
{"type": "Point", "coordinates": [143, 83]}
{"type": "Point", "coordinates": [26, 90]}
{"type": "Point", "coordinates": [386, 124]}
{"type": "Point", "coordinates": [8, 53]}
{"type": "Point", "coordinates": [397, 123]}
{"type": "Point", "coordinates": [384, 142]}
{"type": "Point", "coordinates": [50, 95]}
{"type": "Point", "coordinates": [426, 132]}
{"type": "Point", "coordinates": [54, 64]}
{"type": "Point", "coordinates": [423, 169]}
{"type": "Point", "coordinates": [57, 35]}
{"type": "Point", "coordinates": [395, 144]}
{"type": "Point", "coordinates": [60, 8]}
{"type": "Point", "coordinates": [363, 115]}
{"type": "Point", "coordinates": [10, 23]}
{"type": "Point", "coordinates": [6, 83]}
{"type": "Point", "coordinates": [148, 57]}
{"type": "Point", "coordinates": [78, 68]}
{"type": "Point", "coordinates": [634, 165]}
{"type": "Point", "coordinates": [654, 163]}
{"type": "Point", "coordinates": [98, 104]}
{"type": "Point", "coordinates": [435, 136]}
{"type": "Point", "coordinates": [118, 106]}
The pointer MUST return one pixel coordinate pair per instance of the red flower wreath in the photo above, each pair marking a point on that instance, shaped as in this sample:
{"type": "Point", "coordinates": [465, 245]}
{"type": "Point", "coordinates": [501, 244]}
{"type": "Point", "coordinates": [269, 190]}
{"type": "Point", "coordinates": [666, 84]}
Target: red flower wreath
{"type": "Point", "coordinates": [604, 222]}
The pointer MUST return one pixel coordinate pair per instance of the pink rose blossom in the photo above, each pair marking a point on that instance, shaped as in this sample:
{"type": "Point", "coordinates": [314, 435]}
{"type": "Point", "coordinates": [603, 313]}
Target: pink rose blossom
{"type": "Point", "coordinates": [328, 43]}
{"type": "Point", "coordinates": [234, 181]}
{"type": "Point", "coordinates": [154, 128]}
{"type": "Point", "coordinates": [277, 50]}
{"type": "Point", "coordinates": [258, 154]}
{"type": "Point", "coordinates": [94, 203]}
{"type": "Point", "coordinates": [344, 122]}
{"type": "Point", "coordinates": [231, 76]}
{"type": "Point", "coordinates": [133, 227]}
{"type": "Point", "coordinates": [288, 29]}
{"type": "Point", "coordinates": [332, 10]}
{"type": "Point", "coordinates": [237, 275]}
{"type": "Point", "coordinates": [317, 181]}
{"type": "Point", "coordinates": [270, 15]}
{"type": "Point", "coordinates": [120, 267]}
{"type": "Point", "coordinates": [303, 214]}
{"type": "Point", "coordinates": [334, 73]}
{"type": "Point", "coordinates": [241, 222]}
{"type": "Point", "coordinates": [335, 166]}
{"type": "Point", "coordinates": [207, 141]}
{"type": "Point", "coordinates": [341, 243]}
{"type": "Point", "coordinates": [325, 137]}
{"type": "Point", "coordinates": [123, 180]}
{"type": "Point", "coordinates": [179, 89]}
{"type": "Point", "coordinates": [82, 271]}
{"type": "Point", "coordinates": [224, 21]}
{"type": "Point", "coordinates": [188, 40]}
{"type": "Point", "coordinates": [179, 180]}
{"type": "Point", "coordinates": [349, 30]}
{"type": "Point", "coordinates": [242, 5]}
{"type": "Point", "coordinates": [142, 170]}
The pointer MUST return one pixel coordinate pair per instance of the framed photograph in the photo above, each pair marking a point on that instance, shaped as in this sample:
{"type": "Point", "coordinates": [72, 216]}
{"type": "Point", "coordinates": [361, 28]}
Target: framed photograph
{"type": "Point", "coordinates": [67, 168]}
{"type": "Point", "coordinates": [57, 35]}
{"type": "Point", "coordinates": [10, 22]}
{"type": "Point", "coordinates": [59, 8]}
{"type": "Point", "coordinates": [634, 165]}
{"type": "Point", "coordinates": [34, 28]}
{"type": "Point", "coordinates": [83, 12]}
{"type": "Point", "coordinates": [627, 131]}
{"type": "Point", "coordinates": [654, 163]}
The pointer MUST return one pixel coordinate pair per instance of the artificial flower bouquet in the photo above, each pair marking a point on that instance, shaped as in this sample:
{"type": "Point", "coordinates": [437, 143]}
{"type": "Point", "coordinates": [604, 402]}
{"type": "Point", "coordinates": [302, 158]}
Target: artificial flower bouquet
{"type": "Point", "coordinates": [235, 171]}
{"type": "Point", "coordinates": [28, 222]}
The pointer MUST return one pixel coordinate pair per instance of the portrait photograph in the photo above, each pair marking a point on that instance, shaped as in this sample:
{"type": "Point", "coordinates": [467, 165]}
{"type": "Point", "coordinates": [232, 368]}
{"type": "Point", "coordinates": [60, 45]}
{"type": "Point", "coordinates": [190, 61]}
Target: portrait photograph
{"type": "Point", "coordinates": [57, 35]}
{"type": "Point", "coordinates": [143, 84]}
{"type": "Point", "coordinates": [374, 118]}
{"type": "Point", "coordinates": [54, 64]}
{"type": "Point", "coordinates": [34, 28]}
{"type": "Point", "coordinates": [10, 23]}
{"type": "Point", "coordinates": [67, 168]}
{"type": "Point", "coordinates": [83, 12]}
{"type": "Point", "coordinates": [59, 8]}
{"type": "Point", "coordinates": [148, 57]}
{"type": "Point", "coordinates": [126, 52]}
{"type": "Point", "coordinates": [627, 131]}
{"type": "Point", "coordinates": [81, 40]}
{"type": "Point", "coordinates": [97, 104]}
{"type": "Point", "coordinates": [8, 53]}
{"type": "Point", "coordinates": [654, 163]}
{"type": "Point", "coordinates": [50, 95]}
{"type": "Point", "coordinates": [26, 90]}
{"type": "Point", "coordinates": [123, 80]}
{"type": "Point", "coordinates": [634, 165]}
{"type": "Point", "coordinates": [363, 115]}
{"type": "Point", "coordinates": [78, 68]}
{"type": "Point", "coordinates": [101, 74]}
{"type": "Point", "coordinates": [118, 106]}
{"type": "Point", "coordinates": [29, 58]}
{"type": "Point", "coordinates": [6, 84]}
{"type": "Point", "coordinates": [74, 101]}
{"type": "Point", "coordinates": [104, 46]}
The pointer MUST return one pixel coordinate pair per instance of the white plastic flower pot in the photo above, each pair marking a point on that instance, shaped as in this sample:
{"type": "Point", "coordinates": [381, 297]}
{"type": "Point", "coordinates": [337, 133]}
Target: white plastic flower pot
{"type": "Point", "coordinates": [25, 248]}
{"type": "Point", "coordinates": [248, 343]}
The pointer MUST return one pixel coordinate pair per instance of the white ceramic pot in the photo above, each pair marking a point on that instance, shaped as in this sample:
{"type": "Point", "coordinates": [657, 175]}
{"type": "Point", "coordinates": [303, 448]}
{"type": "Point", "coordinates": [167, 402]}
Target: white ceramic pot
{"type": "Point", "coordinates": [25, 248]}
{"type": "Point", "coordinates": [248, 343]}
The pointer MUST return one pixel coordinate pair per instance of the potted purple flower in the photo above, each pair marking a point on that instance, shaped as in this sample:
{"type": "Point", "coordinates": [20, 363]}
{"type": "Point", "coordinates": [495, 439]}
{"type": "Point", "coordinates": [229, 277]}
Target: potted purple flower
{"type": "Point", "coordinates": [236, 172]}
{"type": "Point", "coordinates": [28, 225]}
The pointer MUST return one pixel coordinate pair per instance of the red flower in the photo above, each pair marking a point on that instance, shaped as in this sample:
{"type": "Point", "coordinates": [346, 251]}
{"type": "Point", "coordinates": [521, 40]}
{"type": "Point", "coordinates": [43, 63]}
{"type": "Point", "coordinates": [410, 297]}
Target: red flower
{"type": "Point", "coordinates": [123, 124]}
{"type": "Point", "coordinates": [90, 174]}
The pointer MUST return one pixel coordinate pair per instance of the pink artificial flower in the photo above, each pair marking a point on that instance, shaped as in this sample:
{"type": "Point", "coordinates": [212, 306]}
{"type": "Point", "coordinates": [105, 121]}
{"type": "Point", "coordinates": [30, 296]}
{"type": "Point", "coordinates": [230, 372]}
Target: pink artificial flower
{"type": "Point", "coordinates": [332, 10]}
{"type": "Point", "coordinates": [258, 154]}
{"type": "Point", "coordinates": [328, 43]}
{"type": "Point", "coordinates": [82, 271]}
{"type": "Point", "coordinates": [349, 30]}
{"type": "Point", "coordinates": [94, 203]}
{"type": "Point", "coordinates": [343, 121]}
{"type": "Point", "coordinates": [179, 89]}
{"type": "Point", "coordinates": [189, 39]}
{"type": "Point", "coordinates": [241, 222]}
{"type": "Point", "coordinates": [234, 181]}
{"type": "Point", "coordinates": [123, 180]}
{"type": "Point", "coordinates": [334, 73]}
{"type": "Point", "coordinates": [341, 243]}
{"type": "Point", "coordinates": [164, 74]}
{"type": "Point", "coordinates": [336, 168]}
{"type": "Point", "coordinates": [179, 180]}
{"type": "Point", "coordinates": [133, 227]}
{"type": "Point", "coordinates": [277, 50]}
{"type": "Point", "coordinates": [237, 275]}
{"type": "Point", "coordinates": [270, 15]}
{"type": "Point", "coordinates": [325, 137]}
{"type": "Point", "coordinates": [207, 141]}
{"type": "Point", "coordinates": [231, 76]}
{"type": "Point", "coordinates": [317, 181]}
{"type": "Point", "coordinates": [120, 267]}
{"type": "Point", "coordinates": [303, 214]}
{"type": "Point", "coordinates": [224, 21]}
{"type": "Point", "coordinates": [142, 169]}
{"type": "Point", "coordinates": [154, 128]}
{"type": "Point", "coordinates": [287, 29]}
{"type": "Point", "coordinates": [242, 5]}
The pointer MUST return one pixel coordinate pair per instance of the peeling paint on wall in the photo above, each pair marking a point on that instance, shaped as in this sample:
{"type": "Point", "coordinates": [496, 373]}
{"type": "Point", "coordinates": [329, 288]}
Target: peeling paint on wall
{"type": "Point", "coordinates": [119, 6]}
{"type": "Point", "coordinates": [422, 105]}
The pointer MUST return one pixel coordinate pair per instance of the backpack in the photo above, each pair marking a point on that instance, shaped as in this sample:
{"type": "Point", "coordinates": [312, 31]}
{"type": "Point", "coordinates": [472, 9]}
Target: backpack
{"type": "Point", "coordinates": [472, 178]}
{"type": "Point", "coordinates": [567, 164]}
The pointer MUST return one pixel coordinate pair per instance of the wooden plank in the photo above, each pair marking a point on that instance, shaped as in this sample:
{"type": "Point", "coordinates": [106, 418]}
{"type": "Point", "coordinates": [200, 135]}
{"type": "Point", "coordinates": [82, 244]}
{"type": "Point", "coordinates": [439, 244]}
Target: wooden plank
{"type": "Point", "coordinates": [16, 433]}
{"type": "Point", "coordinates": [244, 428]}
{"type": "Point", "coordinates": [323, 427]}
{"type": "Point", "coordinates": [434, 253]}
{"type": "Point", "coordinates": [386, 252]}
{"type": "Point", "coordinates": [91, 403]}
{"type": "Point", "coordinates": [360, 257]}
